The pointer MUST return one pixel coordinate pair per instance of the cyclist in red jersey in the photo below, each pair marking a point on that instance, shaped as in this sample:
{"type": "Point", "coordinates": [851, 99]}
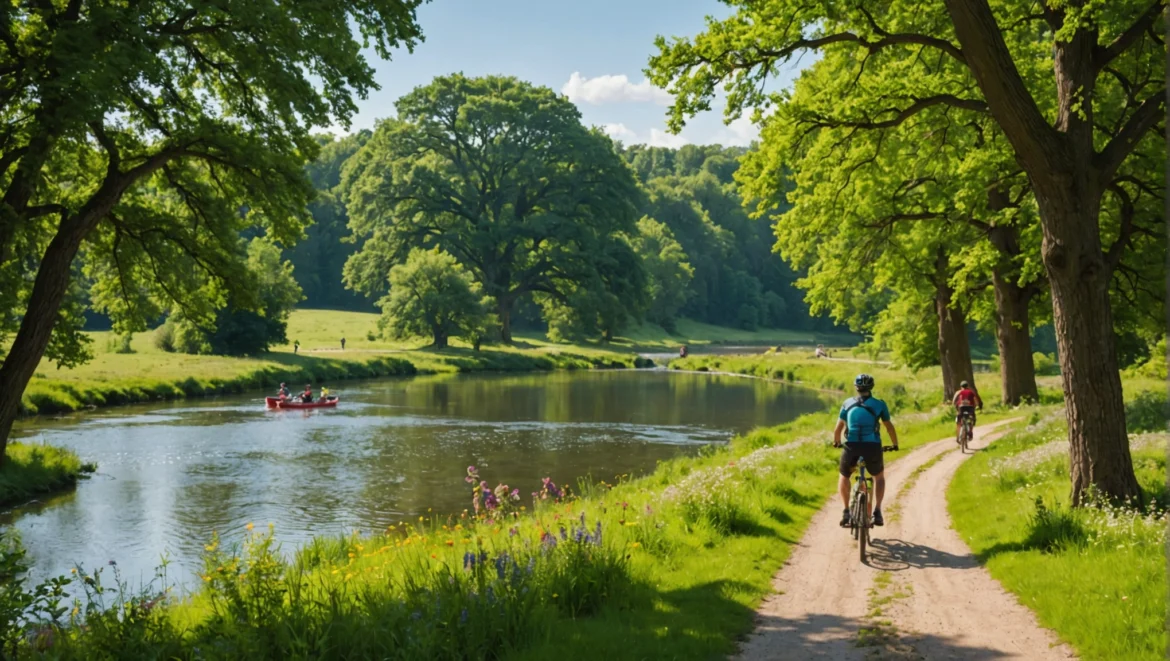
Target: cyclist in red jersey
{"type": "Point", "coordinates": [965, 402]}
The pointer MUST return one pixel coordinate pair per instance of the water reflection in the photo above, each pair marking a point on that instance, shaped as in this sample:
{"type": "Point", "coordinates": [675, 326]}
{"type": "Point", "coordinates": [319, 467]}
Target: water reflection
{"type": "Point", "coordinates": [172, 474]}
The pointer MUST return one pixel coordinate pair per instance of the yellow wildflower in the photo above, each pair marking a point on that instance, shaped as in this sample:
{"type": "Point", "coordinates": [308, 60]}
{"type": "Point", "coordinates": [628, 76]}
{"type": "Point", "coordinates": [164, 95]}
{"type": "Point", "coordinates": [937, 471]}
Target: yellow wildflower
{"type": "Point", "coordinates": [249, 527]}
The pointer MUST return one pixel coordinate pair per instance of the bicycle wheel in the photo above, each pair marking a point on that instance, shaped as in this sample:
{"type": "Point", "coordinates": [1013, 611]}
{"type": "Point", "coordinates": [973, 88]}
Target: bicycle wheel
{"type": "Point", "coordinates": [966, 434]}
{"type": "Point", "coordinates": [863, 526]}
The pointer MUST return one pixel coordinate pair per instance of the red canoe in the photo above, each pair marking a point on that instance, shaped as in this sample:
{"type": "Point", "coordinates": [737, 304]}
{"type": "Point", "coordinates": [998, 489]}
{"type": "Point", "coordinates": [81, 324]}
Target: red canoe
{"type": "Point", "coordinates": [277, 403]}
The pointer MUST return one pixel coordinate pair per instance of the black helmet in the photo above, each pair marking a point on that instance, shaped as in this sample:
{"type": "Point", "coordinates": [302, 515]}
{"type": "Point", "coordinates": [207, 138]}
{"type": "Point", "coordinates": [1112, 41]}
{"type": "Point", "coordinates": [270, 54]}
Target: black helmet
{"type": "Point", "coordinates": [864, 382]}
{"type": "Point", "coordinates": [964, 384]}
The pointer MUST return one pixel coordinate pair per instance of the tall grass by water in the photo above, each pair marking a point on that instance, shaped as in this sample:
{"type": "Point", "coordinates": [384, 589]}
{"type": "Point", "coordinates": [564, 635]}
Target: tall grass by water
{"type": "Point", "coordinates": [1095, 575]}
{"type": "Point", "coordinates": [32, 469]}
{"type": "Point", "coordinates": [670, 565]}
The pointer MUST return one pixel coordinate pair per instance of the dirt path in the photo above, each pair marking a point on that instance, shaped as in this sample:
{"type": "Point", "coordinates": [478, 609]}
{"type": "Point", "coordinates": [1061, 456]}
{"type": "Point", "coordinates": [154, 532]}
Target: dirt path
{"type": "Point", "coordinates": [921, 596]}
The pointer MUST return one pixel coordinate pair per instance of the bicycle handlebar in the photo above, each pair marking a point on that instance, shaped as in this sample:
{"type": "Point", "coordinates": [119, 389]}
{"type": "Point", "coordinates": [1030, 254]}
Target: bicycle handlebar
{"type": "Point", "coordinates": [885, 448]}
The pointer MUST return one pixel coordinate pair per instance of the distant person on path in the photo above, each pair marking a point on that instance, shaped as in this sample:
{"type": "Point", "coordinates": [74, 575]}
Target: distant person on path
{"type": "Point", "coordinates": [283, 393]}
{"type": "Point", "coordinates": [296, 346]}
{"type": "Point", "coordinates": [821, 351]}
{"type": "Point", "coordinates": [682, 351]}
{"type": "Point", "coordinates": [307, 396]}
{"type": "Point", "coordinates": [343, 344]}
{"type": "Point", "coordinates": [965, 402]}
{"type": "Point", "coordinates": [858, 422]}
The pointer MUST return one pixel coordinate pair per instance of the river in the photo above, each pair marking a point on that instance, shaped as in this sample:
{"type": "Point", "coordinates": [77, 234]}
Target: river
{"type": "Point", "coordinates": [170, 474]}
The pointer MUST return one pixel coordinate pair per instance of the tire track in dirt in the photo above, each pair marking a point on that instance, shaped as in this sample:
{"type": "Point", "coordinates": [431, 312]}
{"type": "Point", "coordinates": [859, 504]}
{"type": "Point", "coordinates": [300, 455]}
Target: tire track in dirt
{"type": "Point", "coordinates": [823, 594]}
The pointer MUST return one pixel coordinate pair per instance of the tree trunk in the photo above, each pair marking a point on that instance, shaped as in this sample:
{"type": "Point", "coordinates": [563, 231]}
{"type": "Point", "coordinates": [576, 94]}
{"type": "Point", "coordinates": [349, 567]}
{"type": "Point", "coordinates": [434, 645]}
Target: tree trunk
{"type": "Point", "coordinates": [440, 340]}
{"type": "Point", "coordinates": [1013, 335]}
{"type": "Point", "coordinates": [36, 327]}
{"type": "Point", "coordinates": [1083, 318]}
{"type": "Point", "coordinates": [954, 351]}
{"type": "Point", "coordinates": [1013, 331]}
{"type": "Point", "coordinates": [1064, 171]}
{"type": "Point", "coordinates": [504, 311]}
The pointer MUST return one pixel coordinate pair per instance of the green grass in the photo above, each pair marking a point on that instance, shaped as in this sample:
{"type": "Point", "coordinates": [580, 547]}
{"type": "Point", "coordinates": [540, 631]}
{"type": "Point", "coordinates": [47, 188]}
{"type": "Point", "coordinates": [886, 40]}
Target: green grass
{"type": "Point", "coordinates": [697, 334]}
{"type": "Point", "coordinates": [900, 388]}
{"type": "Point", "coordinates": [31, 470]}
{"type": "Point", "coordinates": [1096, 577]}
{"type": "Point", "coordinates": [322, 330]}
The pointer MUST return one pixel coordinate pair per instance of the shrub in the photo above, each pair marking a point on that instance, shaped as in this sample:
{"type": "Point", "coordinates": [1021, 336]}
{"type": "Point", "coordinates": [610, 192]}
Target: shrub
{"type": "Point", "coordinates": [1045, 365]}
{"type": "Point", "coordinates": [1055, 529]}
{"type": "Point", "coordinates": [164, 337]}
{"type": "Point", "coordinates": [1147, 412]}
{"type": "Point", "coordinates": [120, 343]}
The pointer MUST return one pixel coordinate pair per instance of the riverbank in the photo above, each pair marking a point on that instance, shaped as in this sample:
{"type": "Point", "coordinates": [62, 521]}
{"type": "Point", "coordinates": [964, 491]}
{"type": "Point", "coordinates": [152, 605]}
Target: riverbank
{"type": "Point", "coordinates": [32, 470]}
{"type": "Point", "coordinates": [669, 565]}
{"type": "Point", "coordinates": [113, 379]}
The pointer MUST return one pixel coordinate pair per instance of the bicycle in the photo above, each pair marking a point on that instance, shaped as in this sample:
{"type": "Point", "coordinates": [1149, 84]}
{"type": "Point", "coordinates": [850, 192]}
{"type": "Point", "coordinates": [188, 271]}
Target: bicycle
{"type": "Point", "coordinates": [859, 514]}
{"type": "Point", "coordinates": [966, 432]}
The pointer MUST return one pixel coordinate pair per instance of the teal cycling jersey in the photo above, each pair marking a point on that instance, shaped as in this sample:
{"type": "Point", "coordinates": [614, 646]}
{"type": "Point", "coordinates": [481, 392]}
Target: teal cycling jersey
{"type": "Point", "coordinates": [862, 418]}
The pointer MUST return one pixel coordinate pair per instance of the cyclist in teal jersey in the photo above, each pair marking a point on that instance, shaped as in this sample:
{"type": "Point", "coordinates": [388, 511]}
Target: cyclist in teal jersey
{"type": "Point", "coordinates": [858, 423]}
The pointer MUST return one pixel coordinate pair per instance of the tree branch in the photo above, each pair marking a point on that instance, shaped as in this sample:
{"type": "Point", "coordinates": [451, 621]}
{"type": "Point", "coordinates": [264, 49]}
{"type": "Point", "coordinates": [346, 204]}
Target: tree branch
{"type": "Point", "coordinates": [1036, 142]}
{"type": "Point", "coordinates": [904, 114]}
{"type": "Point", "coordinates": [1103, 55]}
{"type": "Point", "coordinates": [1146, 117]}
{"type": "Point", "coordinates": [1113, 255]}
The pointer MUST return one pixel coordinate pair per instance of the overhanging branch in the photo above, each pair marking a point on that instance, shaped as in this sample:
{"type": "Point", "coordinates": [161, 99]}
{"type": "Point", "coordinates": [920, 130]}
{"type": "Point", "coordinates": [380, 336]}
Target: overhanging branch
{"type": "Point", "coordinates": [1142, 120]}
{"type": "Point", "coordinates": [1103, 55]}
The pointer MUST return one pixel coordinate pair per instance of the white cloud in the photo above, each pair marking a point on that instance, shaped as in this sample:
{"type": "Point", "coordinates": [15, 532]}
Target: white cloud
{"type": "Point", "coordinates": [664, 139]}
{"type": "Point", "coordinates": [654, 138]}
{"type": "Point", "coordinates": [605, 89]}
{"type": "Point", "coordinates": [620, 132]}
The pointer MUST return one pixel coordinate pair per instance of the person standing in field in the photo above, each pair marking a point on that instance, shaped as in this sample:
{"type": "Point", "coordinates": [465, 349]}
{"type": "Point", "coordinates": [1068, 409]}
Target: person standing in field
{"type": "Point", "coordinates": [296, 346]}
{"type": "Point", "coordinates": [343, 344]}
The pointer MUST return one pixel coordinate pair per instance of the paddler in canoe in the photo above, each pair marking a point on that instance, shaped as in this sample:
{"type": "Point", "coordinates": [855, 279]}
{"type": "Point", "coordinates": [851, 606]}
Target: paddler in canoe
{"type": "Point", "coordinates": [283, 393]}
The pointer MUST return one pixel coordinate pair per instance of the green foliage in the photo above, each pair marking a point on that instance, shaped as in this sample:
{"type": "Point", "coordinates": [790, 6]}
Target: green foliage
{"type": "Point", "coordinates": [164, 337]}
{"type": "Point", "coordinates": [141, 140]}
{"type": "Point", "coordinates": [319, 259]}
{"type": "Point", "coordinates": [432, 294]}
{"type": "Point", "coordinates": [1147, 412]}
{"type": "Point", "coordinates": [120, 343]}
{"type": "Point", "coordinates": [1045, 365]}
{"type": "Point", "coordinates": [736, 280]}
{"type": "Point", "coordinates": [503, 176]}
{"type": "Point", "coordinates": [238, 330]}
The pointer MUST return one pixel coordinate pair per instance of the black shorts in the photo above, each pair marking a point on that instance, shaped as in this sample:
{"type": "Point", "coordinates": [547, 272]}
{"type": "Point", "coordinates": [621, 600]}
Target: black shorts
{"type": "Point", "coordinates": [965, 410]}
{"type": "Point", "coordinates": [871, 452]}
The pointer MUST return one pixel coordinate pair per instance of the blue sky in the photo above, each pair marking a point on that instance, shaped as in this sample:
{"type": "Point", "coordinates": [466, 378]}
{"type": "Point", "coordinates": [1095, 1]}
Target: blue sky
{"type": "Point", "coordinates": [582, 49]}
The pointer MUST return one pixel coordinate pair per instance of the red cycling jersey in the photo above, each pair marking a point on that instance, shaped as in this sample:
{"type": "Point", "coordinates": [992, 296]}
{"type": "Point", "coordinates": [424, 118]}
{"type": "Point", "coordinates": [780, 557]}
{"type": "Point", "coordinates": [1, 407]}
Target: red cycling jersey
{"type": "Point", "coordinates": [967, 397]}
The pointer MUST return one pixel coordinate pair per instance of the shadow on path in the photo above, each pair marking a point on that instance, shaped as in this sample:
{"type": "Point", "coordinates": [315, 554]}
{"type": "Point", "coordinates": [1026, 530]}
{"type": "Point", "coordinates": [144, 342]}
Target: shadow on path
{"type": "Point", "coordinates": [899, 555]}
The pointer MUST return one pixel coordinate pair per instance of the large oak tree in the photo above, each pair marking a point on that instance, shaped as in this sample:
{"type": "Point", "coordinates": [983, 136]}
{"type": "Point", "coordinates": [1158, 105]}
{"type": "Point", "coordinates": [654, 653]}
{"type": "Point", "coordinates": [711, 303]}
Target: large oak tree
{"type": "Point", "coordinates": [502, 175]}
{"type": "Point", "coordinates": [146, 136]}
{"type": "Point", "coordinates": [1074, 87]}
